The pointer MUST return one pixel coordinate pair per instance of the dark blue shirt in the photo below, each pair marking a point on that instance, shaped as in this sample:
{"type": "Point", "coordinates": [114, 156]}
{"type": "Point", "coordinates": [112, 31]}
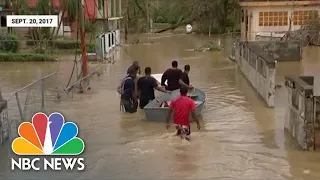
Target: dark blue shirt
{"type": "Point", "coordinates": [185, 78]}
{"type": "Point", "coordinates": [146, 85]}
{"type": "Point", "coordinates": [128, 88]}
{"type": "Point", "coordinates": [173, 76]}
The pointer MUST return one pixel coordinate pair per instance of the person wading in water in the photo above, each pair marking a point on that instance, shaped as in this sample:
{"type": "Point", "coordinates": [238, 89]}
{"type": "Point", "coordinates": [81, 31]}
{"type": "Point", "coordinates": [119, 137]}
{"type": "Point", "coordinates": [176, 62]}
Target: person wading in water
{"type": "Point", "coordinates": [182, 106]}
{"type": "Point", "coordinates": [135, 65]}
{"type": "Point", "coordinates": [127, 90]}
{"type": "Point", "coordinates": [185, 77]}
{"type": "Point", "coordinates": [146, 86]}
{"type": "Point", "coordinates": [173, 76]}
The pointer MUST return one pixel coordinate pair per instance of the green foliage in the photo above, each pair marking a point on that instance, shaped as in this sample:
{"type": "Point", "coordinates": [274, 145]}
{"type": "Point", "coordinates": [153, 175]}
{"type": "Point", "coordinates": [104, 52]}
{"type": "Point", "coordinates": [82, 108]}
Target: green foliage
{"type": "Point", "coordinates": [72, 44]}
{"type": "Point", "coordinates": [25, 57]}
{"type": "Point", "coordinates": [313, 23]}
{"type": "Point", "coordinates": [65, 44]}
{"type": "Point", "coordinates": [91, 48]}
{"type": "Point", "coordinates": [37, 34]}
{"type": "Point", "coordinates": [172, 13]}
{"type": "Point", "coordinates": [89, 27]}
{"type": "Point", "coordinates": [62, 44]}
{"type": "Point", "coordinates": [71, 8]}
{"type": "Point", "coordinates": [20, 7]}
{"type": "Point", "coordinates": [43, 7]}
{"type": "Point", "coordinates": [207, 14]}
{"type": "Point", "coordinates": [40, 50]}
{"type": "Point", "coordinates": [9, 43]}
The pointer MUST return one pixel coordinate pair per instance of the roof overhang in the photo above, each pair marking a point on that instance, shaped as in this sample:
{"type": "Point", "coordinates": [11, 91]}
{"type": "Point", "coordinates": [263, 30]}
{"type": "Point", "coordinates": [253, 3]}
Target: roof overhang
{"type": "Point", "coordinates": [279, 3]}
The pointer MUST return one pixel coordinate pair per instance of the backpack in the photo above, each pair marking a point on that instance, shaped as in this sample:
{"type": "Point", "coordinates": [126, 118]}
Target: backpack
{"type": "Point", "coordinates": [120, 88]}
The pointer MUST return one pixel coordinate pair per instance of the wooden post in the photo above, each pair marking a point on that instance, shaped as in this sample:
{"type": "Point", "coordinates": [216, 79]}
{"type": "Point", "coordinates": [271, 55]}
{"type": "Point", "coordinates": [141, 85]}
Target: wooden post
{"type": "Point", "coordinates": [83, 38]}
{"type": "Point", "coordinates": [105, 15]}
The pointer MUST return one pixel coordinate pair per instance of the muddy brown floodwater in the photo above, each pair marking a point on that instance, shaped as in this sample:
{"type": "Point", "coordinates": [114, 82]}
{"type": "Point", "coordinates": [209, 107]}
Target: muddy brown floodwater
{"type": "Point", "coordinates": [240, 139]}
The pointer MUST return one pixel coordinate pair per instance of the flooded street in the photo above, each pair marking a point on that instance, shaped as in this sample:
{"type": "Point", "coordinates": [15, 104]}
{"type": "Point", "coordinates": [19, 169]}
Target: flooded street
{"type": "Point", "coordinates": [241, 138]}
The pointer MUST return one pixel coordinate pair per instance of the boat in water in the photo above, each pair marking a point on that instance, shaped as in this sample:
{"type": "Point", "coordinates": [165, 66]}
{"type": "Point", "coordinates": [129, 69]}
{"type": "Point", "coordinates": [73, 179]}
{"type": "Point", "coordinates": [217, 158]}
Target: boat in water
{"type": "Point", "coordinates": [154, 110]}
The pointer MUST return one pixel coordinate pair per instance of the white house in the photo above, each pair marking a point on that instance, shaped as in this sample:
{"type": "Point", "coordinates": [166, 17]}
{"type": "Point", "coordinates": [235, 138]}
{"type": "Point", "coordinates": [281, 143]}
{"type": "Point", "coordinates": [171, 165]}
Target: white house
{"type": "Point", "coordinates": [267, 17]}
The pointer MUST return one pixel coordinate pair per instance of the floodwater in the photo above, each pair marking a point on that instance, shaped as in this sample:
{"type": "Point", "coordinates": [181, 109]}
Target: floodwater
{"type": "Point", "coordinates": [241, 138]}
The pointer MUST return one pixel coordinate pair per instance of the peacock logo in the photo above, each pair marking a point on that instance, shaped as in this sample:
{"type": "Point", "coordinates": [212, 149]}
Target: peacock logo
{"type": "Point", "coordinates": [48, 136]}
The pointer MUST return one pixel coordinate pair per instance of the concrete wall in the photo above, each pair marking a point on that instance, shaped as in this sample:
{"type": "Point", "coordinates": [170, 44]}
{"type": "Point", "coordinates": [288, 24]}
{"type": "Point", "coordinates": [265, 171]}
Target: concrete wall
{"type": "Point", "coordinates": [299, 117]}
{"type": "Point", "coordinates": [253, 13]}
{"type": "Point", "coordinates": [281, 50]}
{"type": "Point", "coordinates": [4, 121]}
{"type": "Point", "coordinates": [259, 69]}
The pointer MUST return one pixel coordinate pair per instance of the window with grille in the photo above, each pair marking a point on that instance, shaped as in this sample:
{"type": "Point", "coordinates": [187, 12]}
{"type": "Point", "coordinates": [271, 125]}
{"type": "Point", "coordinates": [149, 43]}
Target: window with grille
{"type": "Point", "coordinates": [302, 17]}
{"type": "Point", "coordinates": [274, 18]}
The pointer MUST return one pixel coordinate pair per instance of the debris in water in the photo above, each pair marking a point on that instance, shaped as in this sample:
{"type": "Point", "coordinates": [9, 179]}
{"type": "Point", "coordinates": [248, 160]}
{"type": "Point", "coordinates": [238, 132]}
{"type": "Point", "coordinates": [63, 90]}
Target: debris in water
{"type": "Point", "coordinates": [209, 47]}
{"type": "Point", "coordinates": [306, 171]}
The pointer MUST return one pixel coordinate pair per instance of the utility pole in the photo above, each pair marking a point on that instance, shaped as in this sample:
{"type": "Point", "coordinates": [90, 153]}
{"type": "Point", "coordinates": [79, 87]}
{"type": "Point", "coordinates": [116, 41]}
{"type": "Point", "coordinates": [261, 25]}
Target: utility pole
{"type": "Point", "coordinates": [105, 15]}
{"type": "Point", "coordinates": [83, 39]}
{"type": "Point", "coordinates": [126, 22]}
{"type": "Point", "coordinates": [148, 15]}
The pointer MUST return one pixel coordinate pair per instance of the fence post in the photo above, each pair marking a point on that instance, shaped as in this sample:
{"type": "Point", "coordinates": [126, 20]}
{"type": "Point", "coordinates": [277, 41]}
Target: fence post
{"type": "Point", "coordinates": [1, 98]}
{"type": "Point", "coordinates": [42, 94]}
{"type": "Point", "coordinates": [314, 121]}
{"type": "Point", "coordinates": [19, 107]}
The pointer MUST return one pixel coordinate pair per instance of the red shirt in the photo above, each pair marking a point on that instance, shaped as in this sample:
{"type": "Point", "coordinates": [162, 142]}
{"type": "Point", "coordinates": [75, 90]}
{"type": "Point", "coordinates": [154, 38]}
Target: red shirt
{"type": "Point", "coordinates": [182, 106]}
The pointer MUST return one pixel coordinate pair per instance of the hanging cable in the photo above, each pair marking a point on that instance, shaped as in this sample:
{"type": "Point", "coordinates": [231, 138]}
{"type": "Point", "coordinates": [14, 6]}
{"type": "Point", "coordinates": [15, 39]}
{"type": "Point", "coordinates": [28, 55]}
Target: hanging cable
{"type": "Point", "coordinates": [76, 53]}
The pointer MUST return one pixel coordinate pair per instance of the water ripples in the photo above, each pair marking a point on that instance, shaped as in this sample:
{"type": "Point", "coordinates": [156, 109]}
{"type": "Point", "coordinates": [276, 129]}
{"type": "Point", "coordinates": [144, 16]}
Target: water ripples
{"type": "Point", "coordinates": [239, 139]}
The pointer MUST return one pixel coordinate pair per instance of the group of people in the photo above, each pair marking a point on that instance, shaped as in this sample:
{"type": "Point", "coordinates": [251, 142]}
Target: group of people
{"type": "Point", "coordinates": [134, 87]}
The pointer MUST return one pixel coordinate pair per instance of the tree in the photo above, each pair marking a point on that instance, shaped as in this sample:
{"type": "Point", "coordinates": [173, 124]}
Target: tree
{"type": "Point", "coordinates": [68, 8]}
{"type": "Point", "coordinates": [206, 13]}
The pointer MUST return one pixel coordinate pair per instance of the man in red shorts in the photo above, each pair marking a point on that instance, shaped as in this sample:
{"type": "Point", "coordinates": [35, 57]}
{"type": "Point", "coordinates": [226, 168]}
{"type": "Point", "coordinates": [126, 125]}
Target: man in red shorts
{"type": "Point", "coordinates": [182, 106]}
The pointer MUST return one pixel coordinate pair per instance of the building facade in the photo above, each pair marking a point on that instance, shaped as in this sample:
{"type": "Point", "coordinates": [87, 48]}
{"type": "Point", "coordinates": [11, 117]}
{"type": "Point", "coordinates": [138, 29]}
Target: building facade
{"type": "Point", "coordinates": [4, 11]}
{"type": "Point", "coordinates": [269, 16]}
{"type": "Point", "coordinates": [99, 11]}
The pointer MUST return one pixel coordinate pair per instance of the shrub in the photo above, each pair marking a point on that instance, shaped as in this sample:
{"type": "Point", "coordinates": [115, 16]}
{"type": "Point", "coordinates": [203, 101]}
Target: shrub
{"type": "Point", "coordinates": [31, 42]}
{"type": "Point", "coordinates": [91, 48]}
{"type": "Point", "coordinates": [9, 43]}
{"type": "Point", "coordinates": [23, 57]}
{"type": "Point", "coordinates": [66, 44]}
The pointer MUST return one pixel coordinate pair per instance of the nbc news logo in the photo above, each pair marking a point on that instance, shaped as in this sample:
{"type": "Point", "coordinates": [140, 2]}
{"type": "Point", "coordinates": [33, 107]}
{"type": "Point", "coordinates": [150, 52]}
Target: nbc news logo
{"type": "Point", "coordinates": [48, 136]}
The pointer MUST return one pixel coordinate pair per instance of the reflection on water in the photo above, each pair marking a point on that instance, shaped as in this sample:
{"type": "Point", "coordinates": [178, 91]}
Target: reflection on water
{"type": "Point", "coordinates": [15, 75]}
{"type": "Point", "coordinates": [240, 139]}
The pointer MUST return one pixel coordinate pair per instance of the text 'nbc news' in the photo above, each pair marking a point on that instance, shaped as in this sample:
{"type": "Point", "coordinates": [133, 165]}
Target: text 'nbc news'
{"type": "Point", "coordinates": [56, 164]}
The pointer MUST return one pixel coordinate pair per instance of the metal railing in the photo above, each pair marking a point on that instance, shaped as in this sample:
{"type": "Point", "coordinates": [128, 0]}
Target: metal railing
{"type": "Point", "coordinates": [42, 90]}
{"type": "Point", "coordinates": [30, 95]}
{"type": "Point", "coordinates": [41, 95]}
{"type": "Point", "coordinates": [251, 53]}
{"type": "Point", "coordinates": [83, 83]}
{"type": "Point", "coordinates": [306, 37]}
